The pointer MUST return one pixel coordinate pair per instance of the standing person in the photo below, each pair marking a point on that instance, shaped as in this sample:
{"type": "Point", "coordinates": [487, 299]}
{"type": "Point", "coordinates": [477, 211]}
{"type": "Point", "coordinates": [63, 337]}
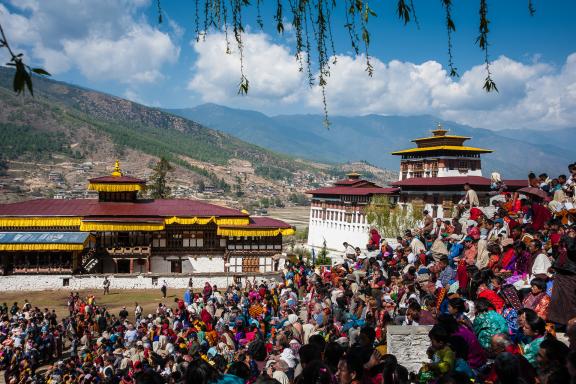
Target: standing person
{"type": "Point", "coordinates": [164, 288]}
{"type": "Point", "coordinates": [106, 285]}
{"type": "Point", "coordinates": [471, 196]}
{"type": "Point", "coordinates": [137, 312]}
{"type": "Point", "coordinates": [123, 314]}
{"type": "Point", "coordinates": [428, 222]}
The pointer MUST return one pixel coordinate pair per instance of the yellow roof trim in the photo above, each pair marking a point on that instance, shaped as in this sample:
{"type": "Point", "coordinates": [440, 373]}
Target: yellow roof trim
{"type": "Point", "coordinates": [442, 148]}
{"type": "Point", "coordinates": [48, 221]}
{"type": "Point", "coordinates": [441, 137]}
{"type": "Point", "coordinates": [118, 226]}
{"type": "Point", "coordinates": [112, 187]}
{"type": "Point", "coordinates": [42, 247]}
{"type": "Point", "coordinates": [255, 232]}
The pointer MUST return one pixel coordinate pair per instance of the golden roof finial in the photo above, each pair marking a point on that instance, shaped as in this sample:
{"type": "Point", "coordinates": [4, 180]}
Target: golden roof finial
{"type": "Point", "coordinates": [440, 130]}
{"type": "Point", "coordinates": [117, 171]}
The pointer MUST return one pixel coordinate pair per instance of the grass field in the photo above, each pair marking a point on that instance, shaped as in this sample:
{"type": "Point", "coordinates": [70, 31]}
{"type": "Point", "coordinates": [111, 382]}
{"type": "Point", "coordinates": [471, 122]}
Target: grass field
{"type": "Point", "coordinates": [57, 300]}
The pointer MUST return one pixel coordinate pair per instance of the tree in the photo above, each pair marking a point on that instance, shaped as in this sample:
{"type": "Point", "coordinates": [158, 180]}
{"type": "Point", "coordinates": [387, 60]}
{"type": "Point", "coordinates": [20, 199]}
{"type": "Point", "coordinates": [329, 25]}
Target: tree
{"type": "Point", "coordinates": [3, 167]}
{"type": "Point", "coordinates": [323, 258]}
{"type": "Point", "coordinates": [201, 186]}
{"type": "Point", "coordinates": [391, 219]}
{"type": "Point", "coordinates": [159, 188]}
{"type": "Point", "coordinates": [238, 187]}
{"type": "Point", "coordinates": [299, 199]}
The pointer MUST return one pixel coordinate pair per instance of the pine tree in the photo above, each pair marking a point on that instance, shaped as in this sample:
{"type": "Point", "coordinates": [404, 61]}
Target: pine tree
{"type": "Point", "coordinates": [159, 188]}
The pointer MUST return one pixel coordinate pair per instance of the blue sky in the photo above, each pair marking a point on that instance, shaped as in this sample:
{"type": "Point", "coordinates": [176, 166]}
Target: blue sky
{"type": "Point", "coordinates": [118, 47]}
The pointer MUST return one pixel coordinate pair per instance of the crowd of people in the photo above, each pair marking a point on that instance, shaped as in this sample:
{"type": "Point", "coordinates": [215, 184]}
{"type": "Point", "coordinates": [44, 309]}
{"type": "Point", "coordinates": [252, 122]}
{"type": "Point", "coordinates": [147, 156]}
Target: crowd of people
{"type": "Point", "coordinates": [497, 291]}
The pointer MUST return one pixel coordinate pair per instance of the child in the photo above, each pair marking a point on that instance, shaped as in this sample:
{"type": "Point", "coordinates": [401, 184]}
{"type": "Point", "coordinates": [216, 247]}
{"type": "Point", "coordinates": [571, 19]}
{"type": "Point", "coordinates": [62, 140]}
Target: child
{"type": "Point", "coordinates": [443, 357]}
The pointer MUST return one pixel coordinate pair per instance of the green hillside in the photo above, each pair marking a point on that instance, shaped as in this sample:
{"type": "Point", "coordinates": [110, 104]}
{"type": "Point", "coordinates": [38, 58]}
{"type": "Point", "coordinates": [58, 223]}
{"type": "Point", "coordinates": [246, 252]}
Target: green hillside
{"type": "Point", "coordinates": [60, 114]}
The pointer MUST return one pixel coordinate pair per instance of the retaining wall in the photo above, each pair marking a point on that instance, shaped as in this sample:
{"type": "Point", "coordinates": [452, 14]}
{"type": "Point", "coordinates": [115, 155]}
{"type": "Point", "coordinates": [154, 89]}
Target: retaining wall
{"type": "Point", "coordinates": [144, 281]}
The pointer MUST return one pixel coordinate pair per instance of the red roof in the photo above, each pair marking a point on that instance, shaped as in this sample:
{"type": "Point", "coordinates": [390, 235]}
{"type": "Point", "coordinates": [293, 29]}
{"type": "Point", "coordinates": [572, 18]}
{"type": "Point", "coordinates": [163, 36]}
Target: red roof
{"type": "Point", "coordinates": [266, 222]}
{"type": "Point", "coordinates": [354, 182]}
{"type": "Point", "coordinates": [117, 179]}
{"type": "Point", "coordinates": [131, 219]}
{"type": "Point", "coordinates": [90, 208]}
{"type": "Point", "coordinates": [455, 180]}
{"type": "Point", "coordinates": [352, 191]}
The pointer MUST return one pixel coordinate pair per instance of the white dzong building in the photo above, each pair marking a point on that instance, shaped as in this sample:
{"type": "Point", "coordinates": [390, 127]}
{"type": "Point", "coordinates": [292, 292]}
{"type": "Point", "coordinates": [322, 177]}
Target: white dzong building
{"type": "Point", "coordinates": [337, 213]}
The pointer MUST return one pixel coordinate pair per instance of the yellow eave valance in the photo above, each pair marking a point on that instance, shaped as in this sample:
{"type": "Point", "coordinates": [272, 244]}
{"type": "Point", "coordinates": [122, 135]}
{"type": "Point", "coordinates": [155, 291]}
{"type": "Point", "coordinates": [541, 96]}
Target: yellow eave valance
{"type": "Point", "coordinates": [115, 187]}
{"type": "Point", "coordinates": [207, 220]}
{"type": "Point", "coordinates": [41, 247]}
{"type": "Point", "coordinates": [444, 148]}
{"type": "Point", "coordinates": [255, 232]}
{"type": "Point", "coordinates": [441, 137]}
{"type": "Point", "coordinates": [110, 227]}
{"type": "Point", "coordinates": [40, 222]}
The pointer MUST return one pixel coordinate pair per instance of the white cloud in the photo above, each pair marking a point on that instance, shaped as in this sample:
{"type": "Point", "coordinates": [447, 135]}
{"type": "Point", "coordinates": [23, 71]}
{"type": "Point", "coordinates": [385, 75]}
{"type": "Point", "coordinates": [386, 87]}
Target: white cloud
{"type": "Point", "coordinates": [134, 57]}
{"type": "Point", "coordinates": [270, 68]}
{"type": "Point", "coordinates": [532, 95]}
{"type": "Point", "coordinates": [104, 39]}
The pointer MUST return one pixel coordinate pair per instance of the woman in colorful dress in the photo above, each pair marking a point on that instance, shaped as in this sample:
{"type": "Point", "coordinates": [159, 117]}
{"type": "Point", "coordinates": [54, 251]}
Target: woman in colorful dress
{"type": "Point", "coordinates": [487, 322]}
{"type": "Point", "coordinates": [537, 300]}
{"type": "Point", "coordinates": [534, 328]}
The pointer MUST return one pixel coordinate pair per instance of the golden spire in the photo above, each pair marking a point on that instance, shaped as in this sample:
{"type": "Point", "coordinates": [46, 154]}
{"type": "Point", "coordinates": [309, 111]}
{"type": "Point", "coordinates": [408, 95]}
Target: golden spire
{"type": "Point", "coordinates": [117, 171]}
{"type": "Point", "coordinates": [440, 130]}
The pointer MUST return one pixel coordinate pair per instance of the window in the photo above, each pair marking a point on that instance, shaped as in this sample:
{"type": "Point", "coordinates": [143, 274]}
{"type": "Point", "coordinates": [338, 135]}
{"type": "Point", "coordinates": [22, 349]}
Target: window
{"type": "Point", "coordinates": [174, 239]}
{"type": "Point", "coordinates": [195, 239]}
{"type": "Point", "coordinates": [159, 239]}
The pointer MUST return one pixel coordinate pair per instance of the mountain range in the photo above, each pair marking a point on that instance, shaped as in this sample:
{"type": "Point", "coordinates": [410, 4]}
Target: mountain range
{"type": "Point", "coordinates": [50, 144]}
{"type": "Point", "coordinates": [373, 137]}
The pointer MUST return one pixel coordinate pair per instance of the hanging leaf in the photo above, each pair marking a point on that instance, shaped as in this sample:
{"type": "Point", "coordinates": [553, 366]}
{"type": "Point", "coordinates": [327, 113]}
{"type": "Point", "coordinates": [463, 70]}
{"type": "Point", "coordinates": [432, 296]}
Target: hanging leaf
{"type": "Point", "coordinates": [41, 71]}
{"type": "Point", "coordinates": [244, 86]}
{"type": "Point", "coordinates": [159, 12]}
{"type": "Point", "coordinates": [531, 8]}
{"type": "Point", "coordinates": [490, 85]}
{"type": "Point", "coordinates": [450, 27]}
{"type": "Point", "coordinates": [403, 11]}
{"type": "Point", "coordinates": [28, 80]}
